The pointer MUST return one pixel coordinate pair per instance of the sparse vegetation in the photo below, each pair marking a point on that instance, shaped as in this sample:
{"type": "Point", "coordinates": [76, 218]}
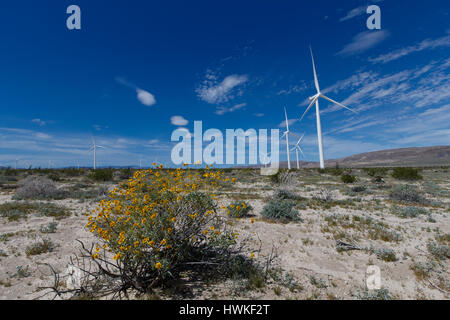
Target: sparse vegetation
{"type": "Point", "coordinates": [44, 246]}
{"type": "Point", "coordinates": [407, 194]}
{"type": "Point", "coordinates": [405, 173]}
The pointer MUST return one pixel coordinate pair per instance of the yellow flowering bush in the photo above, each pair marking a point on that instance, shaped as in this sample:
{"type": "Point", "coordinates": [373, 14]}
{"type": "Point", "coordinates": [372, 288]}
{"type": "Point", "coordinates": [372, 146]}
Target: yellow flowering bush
{"type": "Point", "coordinates": [239, 209]}
{"type": "Point", "coordinates": [157, 221]}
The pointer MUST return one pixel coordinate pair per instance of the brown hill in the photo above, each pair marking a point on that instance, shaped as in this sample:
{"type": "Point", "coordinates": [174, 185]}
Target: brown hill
{"type": "Point", "coordinates": [411, 157]}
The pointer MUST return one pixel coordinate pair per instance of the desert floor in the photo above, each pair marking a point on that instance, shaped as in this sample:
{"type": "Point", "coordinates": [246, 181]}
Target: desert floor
{"type": "Point", "coordinates": [308, 262]}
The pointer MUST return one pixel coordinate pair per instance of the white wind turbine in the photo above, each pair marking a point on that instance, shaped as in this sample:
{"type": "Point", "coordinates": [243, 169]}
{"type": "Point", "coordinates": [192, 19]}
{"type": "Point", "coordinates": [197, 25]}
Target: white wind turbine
{"type": "Point", "coordinates": [94, 147]}
{"type": "Point", "coordinates": [315, 99]}
{"type": "Point", "coordinates": [297, 149]}
{"type": "Point", "coordinates": [286, 134]}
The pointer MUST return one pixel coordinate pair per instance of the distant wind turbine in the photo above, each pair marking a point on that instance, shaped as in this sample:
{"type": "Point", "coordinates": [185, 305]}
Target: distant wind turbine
{"type": "Point", "coordinates": [94, 148]}
{"type": "Point", "coordinates": [297, 149]}
{"type": "Point", "coordinates": [315, 99]}
{"type": "Point", "coordinates": [286, 134]}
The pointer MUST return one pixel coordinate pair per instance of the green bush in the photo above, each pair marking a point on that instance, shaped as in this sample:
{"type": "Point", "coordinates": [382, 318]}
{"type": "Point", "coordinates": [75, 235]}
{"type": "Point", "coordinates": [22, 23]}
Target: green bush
{"type": "Point", "coordinates": [441, 252]}
{"type": "Point", "coordinates": [101, 175]}
{"type": "Point", "coordinates": [282, 210]}
{"type": "Point", "coordinates": [376, 172]}
{"type": "Point", "coordinates": [406, 174]}
{"type": "Point", "coordinates": [347, 178]}
{"type": "Point", "coordinates": [239, 209]}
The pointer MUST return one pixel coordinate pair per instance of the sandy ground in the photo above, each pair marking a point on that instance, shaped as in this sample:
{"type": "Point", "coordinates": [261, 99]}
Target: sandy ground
{"type": "Point", "coordinates": [306, 250]}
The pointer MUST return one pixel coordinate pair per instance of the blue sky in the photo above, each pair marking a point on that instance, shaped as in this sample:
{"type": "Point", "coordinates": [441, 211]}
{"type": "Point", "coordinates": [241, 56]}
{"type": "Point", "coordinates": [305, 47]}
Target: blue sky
{"type": "Point", "coordinates": [137, 70]}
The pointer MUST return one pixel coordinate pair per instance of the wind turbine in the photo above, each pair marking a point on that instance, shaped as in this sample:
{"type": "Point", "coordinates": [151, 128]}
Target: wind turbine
{"type": "Point", "coordinates": [297, 149]}
{"type": "Point", "coordinates": [315, 99]}
{"type": "Point", "coordinates": [94, 147]}
{"type": "Point", "coordinates": [286, 134]}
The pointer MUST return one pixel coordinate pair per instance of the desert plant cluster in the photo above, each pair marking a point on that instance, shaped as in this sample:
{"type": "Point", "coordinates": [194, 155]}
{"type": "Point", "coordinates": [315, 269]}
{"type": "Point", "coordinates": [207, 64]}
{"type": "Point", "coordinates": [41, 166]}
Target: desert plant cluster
{"type": "Point", "coordinates": [207, 233]}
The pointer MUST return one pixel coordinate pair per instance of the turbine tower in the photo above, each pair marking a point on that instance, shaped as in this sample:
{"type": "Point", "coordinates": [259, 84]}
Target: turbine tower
{"type": "Point", "coordinates": [286, 134]}
{"type": "Point", "coordinates": [297, 149]}
{"type": "Point", "coordinates": [315, 99]}
{"type": "Point", "coordinates": [94, 148]}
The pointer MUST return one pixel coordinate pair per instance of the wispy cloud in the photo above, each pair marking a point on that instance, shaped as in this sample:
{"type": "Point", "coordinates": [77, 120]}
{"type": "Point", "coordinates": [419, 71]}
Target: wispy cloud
{"type": "Point", "coordinates": [423, 45]}
{"type": "Point", "coordinates": [419, 87]}
{"type": "Point", "coordinates": [363, 41]}
{"type": "Point", "coordinates": [214, 92]}
{"type": "Point", "coordinates": [354, 13]}
{"type": "Point", "coordinates": [222, 110]}
{"type": "Point", "coordinates": [39, 122]}
{"type": "Point", "coordinates": [144, 97]}
{"type": "Point", "coordinates": [294, 89]}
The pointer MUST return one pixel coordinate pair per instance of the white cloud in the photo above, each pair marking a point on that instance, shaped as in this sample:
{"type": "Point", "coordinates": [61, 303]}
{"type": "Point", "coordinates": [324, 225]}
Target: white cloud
{"type": "Point", "coordinates": [363, 41]}
{"type": "Point", "coordinates": [145, 97]}
{"type": "Point", "coordinates": [423, 45]}
{"type": "Point", "coordinates": [178, 121]}
{"type": "Point", "coordinates": [222, 110]}
{"type": "Point", "coordinates": [354, 13]}
{"type": "Point", "coordinates": [290, 123]}
{"type": "Point", "coordinates": [212, 92]}
{"type": "Point", "coordinates": [258, 114]}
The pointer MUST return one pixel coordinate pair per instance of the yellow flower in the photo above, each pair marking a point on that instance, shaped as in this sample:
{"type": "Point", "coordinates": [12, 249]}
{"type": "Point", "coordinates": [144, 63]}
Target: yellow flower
{"type": "Point", "coordinates": [163, 242]}
{"type": "Point", "coordinates": [145, 240]}
{"type": "Point", "coordinates": [158, 265]}
{"type": "Point", "coordinates": [95, 256]}
{"type": "Point", "coordinates": [117, 256]}
{"type": "Point", "coordinates": [252, 255]}
{"type": "Point", "coordinates": [151, 242]}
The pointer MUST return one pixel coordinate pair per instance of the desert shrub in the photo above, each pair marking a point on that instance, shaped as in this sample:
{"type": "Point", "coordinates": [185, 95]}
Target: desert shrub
{"type": "Point", "coordinates": [422, 271]}
{"type": "Point", "coordinates": [386, 254]}
{"type": "Point", "coordinates": [101, 175]}
{"type": "Point", "coordinates": [402, 173]}
{"type": "Point", "coordinates": [441, 252]}
{"type": "Point", "coordinates": [40, 247]}
{"type": "Point", "coordinates": [281, 210]}
{"type": "Point", "coordinates": [377, 294]}
{"type": "Point", "coordinates": [321, 171]}
{"type": "Point", "coordinates": [324, 195]}
{"type": "Point", "coordinates": [376, 172]}
{"type": "Point", "coordinates": [50, 228]}
{"type": "Point", "coordinates": [154, 226]}
{"type": "Point", "coordinates": [54, 177]}
{"type": "Point", "coordinates": [37, 187]}
{"type": "Point", "coordinates": [407, 194]}
{"type": "Point", "coordinates": [239, 209]}
{"type": "Point", "coordinates": [348, 178]}
{"type": "Point", "coordinates": [284, 194]}
{"type": "Point", "coordinates": [409, 212]}
{"type": "Point", "coordinates": [283, 177]}
{"type": "Point", "coordinates": [358, 189]}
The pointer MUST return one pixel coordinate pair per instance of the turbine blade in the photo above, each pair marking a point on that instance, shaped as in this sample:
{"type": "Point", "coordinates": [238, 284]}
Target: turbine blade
{"type": "Point", "coordinates": [299, 140]}
{"type": "Point", "coordinates": [287, 122]}
{"type": "Point", "coordinates": [316, 81]}
{"type": "Point", "coordinates": [335, 102]}
{"type": "Point", "coordinates": [301, 151]}
{"type": "Point", "coordinates": [307, 109]}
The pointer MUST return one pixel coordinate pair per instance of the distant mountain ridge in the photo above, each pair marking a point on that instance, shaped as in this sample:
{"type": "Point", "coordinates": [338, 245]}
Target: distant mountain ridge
{"type": "Point", "coordinates": [407, 157]}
